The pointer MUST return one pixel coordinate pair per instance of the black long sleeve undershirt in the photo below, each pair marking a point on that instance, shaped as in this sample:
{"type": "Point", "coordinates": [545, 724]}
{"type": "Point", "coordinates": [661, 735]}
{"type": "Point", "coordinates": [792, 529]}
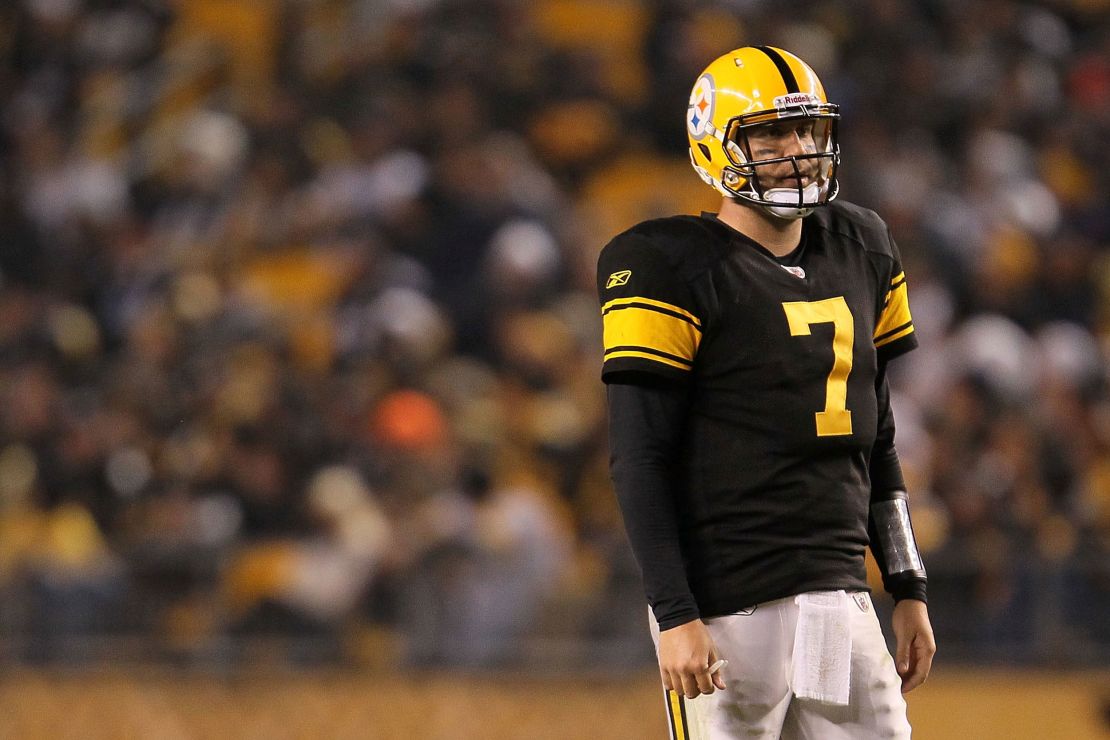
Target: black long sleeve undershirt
{"type": "Point", "coordinates": [646, 420]}
{"type": "Point", "coordinates": [887, 483]}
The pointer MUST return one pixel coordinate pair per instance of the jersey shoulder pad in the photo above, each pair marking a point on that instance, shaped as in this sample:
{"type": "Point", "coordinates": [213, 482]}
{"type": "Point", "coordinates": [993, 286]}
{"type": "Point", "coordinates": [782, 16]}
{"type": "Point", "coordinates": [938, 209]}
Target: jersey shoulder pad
{"type": "Point", "coordinates": [685, 244]}
{"type": "Point", "coordinates": [856, 223]}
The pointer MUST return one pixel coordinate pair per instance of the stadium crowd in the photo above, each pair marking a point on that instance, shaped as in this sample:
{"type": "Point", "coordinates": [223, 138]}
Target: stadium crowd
{"type": "Point", "coordinates": [299, 333]}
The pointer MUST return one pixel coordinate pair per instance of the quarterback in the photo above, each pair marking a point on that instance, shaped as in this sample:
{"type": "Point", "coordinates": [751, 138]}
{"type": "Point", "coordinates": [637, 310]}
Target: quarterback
{"type": "Point", "coordinates": [750, 425]}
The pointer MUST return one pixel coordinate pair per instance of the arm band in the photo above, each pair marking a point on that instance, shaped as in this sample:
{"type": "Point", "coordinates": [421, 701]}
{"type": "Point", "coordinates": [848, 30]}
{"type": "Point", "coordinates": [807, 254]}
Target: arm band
{"type": "Point", "coordinates": [895, 535]}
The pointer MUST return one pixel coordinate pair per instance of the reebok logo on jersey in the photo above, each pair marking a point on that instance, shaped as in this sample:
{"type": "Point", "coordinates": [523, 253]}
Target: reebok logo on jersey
{"type": "Point", "coordinates": [618, 278]}
{"type": "Point", "coordinates": [795, 271]}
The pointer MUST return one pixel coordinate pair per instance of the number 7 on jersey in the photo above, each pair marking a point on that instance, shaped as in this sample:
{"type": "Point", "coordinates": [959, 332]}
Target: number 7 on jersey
{"type": "Point", "coordinates": [836, 419]}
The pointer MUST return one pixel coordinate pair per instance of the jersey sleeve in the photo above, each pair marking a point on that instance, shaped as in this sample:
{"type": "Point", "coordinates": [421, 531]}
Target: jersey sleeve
{"type": "Point", "coordinates": [894, 333]}
{"type": "Point", "coordinates": [650, 322]}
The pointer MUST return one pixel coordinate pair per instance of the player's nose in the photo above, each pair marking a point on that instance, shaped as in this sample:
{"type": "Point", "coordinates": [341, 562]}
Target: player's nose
{"type": "Point", "coordinates": [798, 142]}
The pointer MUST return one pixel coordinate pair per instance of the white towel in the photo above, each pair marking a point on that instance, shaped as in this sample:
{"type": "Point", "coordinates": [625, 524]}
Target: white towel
{"type": "Point", "coordinates": [823, 647]}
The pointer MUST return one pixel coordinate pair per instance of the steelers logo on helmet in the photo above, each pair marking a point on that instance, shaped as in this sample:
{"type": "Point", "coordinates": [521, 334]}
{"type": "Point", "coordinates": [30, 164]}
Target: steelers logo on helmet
{"type": "Point", "coordinates": [699, 113]}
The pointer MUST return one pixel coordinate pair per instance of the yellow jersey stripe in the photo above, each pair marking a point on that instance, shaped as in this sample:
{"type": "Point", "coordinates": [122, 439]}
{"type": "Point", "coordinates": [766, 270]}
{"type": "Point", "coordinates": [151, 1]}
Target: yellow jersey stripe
{"type": "Point", "coordinates": [896, 335]}
{"type": "Point", "coordinates": [644, 327]}
{"type": "Point", "coordinates": [895, 330]}
{"type": "Point", "coordinates": [647, 356]}
{"type": "Point", "coordinates": [617, 302]}
{"type": "Point", "coordinates": [634, 348]}
{"type": "Point", "coordinates": [896, 313]}
{"type": "Point", "coordinates": [897, 277]}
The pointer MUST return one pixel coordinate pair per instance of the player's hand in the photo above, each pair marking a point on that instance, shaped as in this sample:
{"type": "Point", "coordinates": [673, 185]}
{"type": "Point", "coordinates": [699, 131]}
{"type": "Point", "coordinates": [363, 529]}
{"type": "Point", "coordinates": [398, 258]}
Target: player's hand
{"type": "Point", "coordinates": [916, 646]}
{"type": "Point", "coordinates": [685, 654]}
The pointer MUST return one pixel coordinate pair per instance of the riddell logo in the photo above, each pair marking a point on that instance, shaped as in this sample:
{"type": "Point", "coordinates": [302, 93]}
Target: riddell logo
{"type": "Point", "coordinates": [796, 99]}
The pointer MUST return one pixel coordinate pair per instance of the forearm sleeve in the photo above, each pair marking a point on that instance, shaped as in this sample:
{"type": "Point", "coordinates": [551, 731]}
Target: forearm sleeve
{"type": "Point", "coordinates": [889, 528]}
{"type": "Point", "coordinates": [645, 424]}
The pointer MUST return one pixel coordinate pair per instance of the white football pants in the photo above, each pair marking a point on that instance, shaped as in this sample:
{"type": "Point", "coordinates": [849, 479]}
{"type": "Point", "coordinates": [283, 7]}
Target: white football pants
{"type": "Point", "coordinates": [759, 703]}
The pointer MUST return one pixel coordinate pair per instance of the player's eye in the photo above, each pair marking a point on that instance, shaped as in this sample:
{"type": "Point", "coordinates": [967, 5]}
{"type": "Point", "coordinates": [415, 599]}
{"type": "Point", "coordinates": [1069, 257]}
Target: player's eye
{"type": "Point", "coordinates": [766, 133]}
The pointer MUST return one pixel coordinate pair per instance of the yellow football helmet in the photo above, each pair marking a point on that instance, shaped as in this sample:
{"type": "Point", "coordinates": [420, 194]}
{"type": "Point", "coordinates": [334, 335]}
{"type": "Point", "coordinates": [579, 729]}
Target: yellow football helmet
{"type": "Point", "coordinates": [762, 130]}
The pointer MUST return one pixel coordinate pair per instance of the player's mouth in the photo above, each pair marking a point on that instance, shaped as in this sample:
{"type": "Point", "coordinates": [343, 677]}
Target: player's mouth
{"type": "Point", "coordinates": [791, 181]}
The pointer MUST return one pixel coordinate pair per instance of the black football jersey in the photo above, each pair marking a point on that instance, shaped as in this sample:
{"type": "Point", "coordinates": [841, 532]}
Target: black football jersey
{"type": "Point", "coordinates": [771, 485]}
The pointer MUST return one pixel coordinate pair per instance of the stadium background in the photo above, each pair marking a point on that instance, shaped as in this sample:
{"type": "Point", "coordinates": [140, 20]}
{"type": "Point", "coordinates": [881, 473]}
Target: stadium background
{"type": "Point", "coordinates": [301, 432]}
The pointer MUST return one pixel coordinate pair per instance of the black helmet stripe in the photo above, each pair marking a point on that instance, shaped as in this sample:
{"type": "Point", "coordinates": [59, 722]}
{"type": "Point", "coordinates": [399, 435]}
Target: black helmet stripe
{"type": "Point", "coordinates": [784, 68]}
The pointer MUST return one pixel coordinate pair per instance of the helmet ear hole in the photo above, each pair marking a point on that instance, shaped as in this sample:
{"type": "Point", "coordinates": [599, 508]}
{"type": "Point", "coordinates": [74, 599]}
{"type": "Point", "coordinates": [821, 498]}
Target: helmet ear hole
{"type": "Point", "coordinates": [705, 151]}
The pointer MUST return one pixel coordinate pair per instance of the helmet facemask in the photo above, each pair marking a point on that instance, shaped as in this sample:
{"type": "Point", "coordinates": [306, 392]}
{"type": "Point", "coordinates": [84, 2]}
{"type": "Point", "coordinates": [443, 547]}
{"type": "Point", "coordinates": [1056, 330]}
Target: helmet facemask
{"type": "Point", "coordinates": [790, 185]}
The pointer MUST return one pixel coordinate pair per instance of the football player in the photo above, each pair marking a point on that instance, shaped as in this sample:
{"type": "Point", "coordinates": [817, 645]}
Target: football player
{"type": "Point", "coordinates": [750, 425]}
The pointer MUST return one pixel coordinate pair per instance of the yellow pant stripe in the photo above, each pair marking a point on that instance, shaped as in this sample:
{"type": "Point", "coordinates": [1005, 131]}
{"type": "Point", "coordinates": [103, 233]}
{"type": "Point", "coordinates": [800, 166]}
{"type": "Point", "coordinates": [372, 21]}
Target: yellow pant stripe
{"type": "Point", "coordinates": [678, 716]}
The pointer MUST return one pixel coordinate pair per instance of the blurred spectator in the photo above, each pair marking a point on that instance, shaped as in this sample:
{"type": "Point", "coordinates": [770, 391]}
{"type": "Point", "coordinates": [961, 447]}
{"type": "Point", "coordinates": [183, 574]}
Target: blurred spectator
{"type": "Point", "coordinates": [299, 335]}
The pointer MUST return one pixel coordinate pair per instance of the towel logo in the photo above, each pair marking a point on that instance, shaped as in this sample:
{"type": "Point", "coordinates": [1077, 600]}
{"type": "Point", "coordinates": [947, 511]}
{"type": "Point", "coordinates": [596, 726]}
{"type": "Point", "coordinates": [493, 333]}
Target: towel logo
{"type": "Point", "coordinates": [618, 278]}
{"type": "Point", "coordinates": [861, 601]}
